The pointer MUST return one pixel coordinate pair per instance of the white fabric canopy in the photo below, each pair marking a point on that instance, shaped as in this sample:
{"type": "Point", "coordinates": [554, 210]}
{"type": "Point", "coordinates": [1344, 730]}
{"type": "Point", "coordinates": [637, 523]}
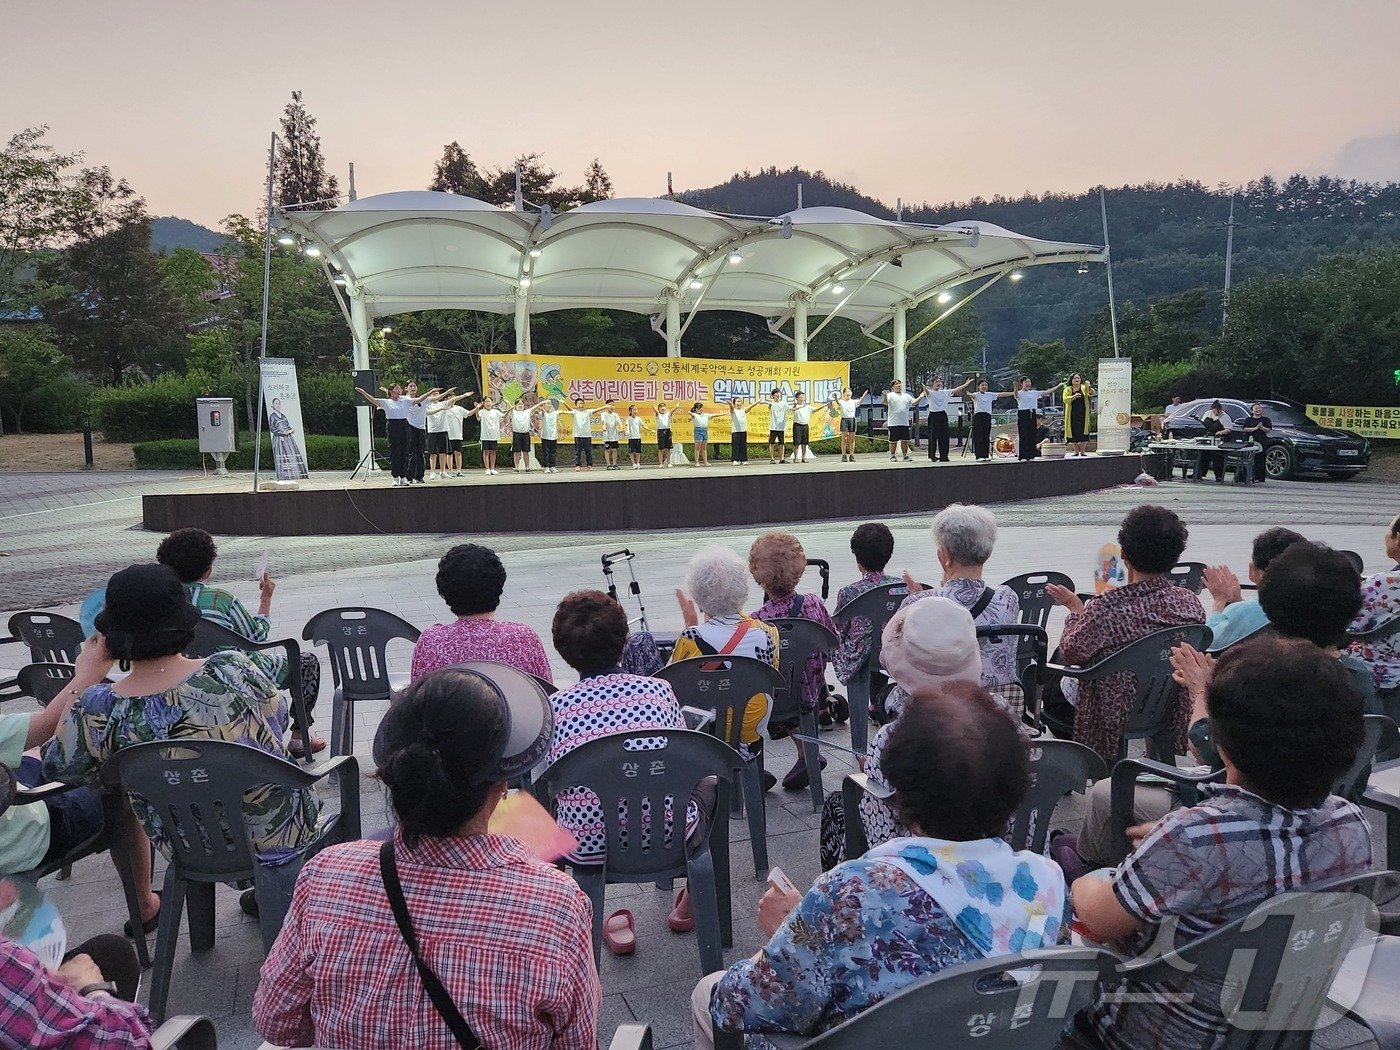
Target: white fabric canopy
{"type": "Point", "coordinates": [420, 250]}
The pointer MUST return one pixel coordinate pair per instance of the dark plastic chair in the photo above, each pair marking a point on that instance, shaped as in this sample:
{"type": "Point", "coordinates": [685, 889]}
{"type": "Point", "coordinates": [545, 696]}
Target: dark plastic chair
{"type": "Point", "coordinates": [1356, 562]}
{"type": "Point", "coordinates": [1153, 714]}
{"type": "Point", "coordinates": [44, 681]}
{"type": "Point", "coordinates": [1188, 574]}
{"type": "Point", "coordinates": [1267, 631]}
{"type": "Point", "coordinates": [1030, 588]}
{"type": "Point", "coordinates": [724, 685]}
{"type": "Point", "coordinates": [1013, 1002]}
{"type": "Point", "coordinates": [1058, 768]}
{"type": "Point", "coordinates": [195, 785]}
{"type": "Point", "coordinates": [1032, 655]}
{"type": "Point", "coordinates": [644, 783]}
{"type": "Point", "coordinates": [877, 606]}
{"type": "Point", "coordinates": [1267, 974]}
{"type": "Point", "coordinates": [52, 639]}
{"type": "Point", "coordinates": [210, 638]}
{"type": "Point", "coordinates": [1382, 794]}
{"type": "Point", "coordinates": [186, 1032]}
{"type": "Point", "coordinates": [357, 640]}
{"type": "Point", "coordinates": [799, 640]}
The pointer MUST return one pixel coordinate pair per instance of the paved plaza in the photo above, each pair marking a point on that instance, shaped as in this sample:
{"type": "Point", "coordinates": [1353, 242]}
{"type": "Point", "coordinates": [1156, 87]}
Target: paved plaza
{"type": "Point", "coordinates": [62, 535]}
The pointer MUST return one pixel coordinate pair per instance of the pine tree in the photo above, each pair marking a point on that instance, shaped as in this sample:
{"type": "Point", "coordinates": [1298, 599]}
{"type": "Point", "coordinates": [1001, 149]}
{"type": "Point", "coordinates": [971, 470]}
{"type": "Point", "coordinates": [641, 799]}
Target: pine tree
{"type": "Point", "coordinates": [301, 177]}
{"type": "Point", "coordinates": [456, 172]}
{"type": "Point", "coordinates": [597, 186]}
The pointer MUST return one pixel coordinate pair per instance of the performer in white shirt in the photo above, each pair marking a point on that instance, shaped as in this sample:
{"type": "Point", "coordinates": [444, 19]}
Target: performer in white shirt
{"type": "Point", "coordinates": [635, 425]}
{"type": "Point", "coordinates": [456, 415]}
{"type": "Point", "coordinates": [583, 434]}
{"type": "Point", "coordinates": [845, 406]}
{"type": "Point", "coordinates": [521, 420]}
{"type": "Point", "coordinates": [490, 418]}
{"type": "Point", "coordinates": [900, 405]}
{"type": "Point", "coordinates": [777, 426]}
{"type": "Point", "coordinates": [549, 436]}
{"type": "Point", "coordinates": [612, 426]}
{"type": "Point", "coordinates": [664, 440]}
{"type": "Point", "coordinates": [439, 417]}
{"type": "Point", "coordinates": [739, 431]}
{"type": "Point", "coordinates": [802, 414]}
{"type": "Point", "coordinates": [700, 420]}
{"type": "Point", "coordinates": [416, 412]}
{"type": "Point", "coordinates": [982, 401]}
{"type": "Point", "coordinates": [938, 416]}
{"type": "Point", "coordinates": [395, 408]}
{"type": "Point", "coordinates": [1027, 404]}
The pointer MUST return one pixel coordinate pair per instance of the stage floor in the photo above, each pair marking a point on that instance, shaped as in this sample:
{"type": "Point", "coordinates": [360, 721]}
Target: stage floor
{"type": "Point", "coordinates": [652, 497]}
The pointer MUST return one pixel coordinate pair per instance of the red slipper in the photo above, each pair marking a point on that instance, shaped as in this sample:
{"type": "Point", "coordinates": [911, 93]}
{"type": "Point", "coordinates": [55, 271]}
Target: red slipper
{"type": "Point", "coordinates": [677, 922]}
{"type": "Point", "coordinates": [619, 933]}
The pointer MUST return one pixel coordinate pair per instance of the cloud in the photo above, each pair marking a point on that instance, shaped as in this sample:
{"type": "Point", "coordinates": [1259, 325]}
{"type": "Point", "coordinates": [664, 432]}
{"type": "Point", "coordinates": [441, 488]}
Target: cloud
{"type": "Point", "coordinates": [1373, 159]}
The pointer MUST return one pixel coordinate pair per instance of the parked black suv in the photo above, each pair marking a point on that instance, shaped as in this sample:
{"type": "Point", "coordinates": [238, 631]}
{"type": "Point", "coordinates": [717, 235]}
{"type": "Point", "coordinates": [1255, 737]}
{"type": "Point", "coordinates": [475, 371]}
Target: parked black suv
{"type": "Point", "coordinates": [1295, 445]}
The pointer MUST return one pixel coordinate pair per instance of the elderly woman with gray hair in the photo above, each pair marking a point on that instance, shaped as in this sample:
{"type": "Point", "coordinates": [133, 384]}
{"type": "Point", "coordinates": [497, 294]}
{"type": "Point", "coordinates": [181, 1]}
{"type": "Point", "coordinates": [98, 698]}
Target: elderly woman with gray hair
{"type": "Point", "coordinates": [712, 602]}
{"type": "Point", "coordinates": [963, 537]}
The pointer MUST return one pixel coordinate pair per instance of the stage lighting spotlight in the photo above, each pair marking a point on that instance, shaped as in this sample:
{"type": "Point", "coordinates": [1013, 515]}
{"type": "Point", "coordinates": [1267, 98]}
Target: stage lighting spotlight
{"type": "Point", "coordinates": [524, 282]}
{"type": "Point", "coordinates": [386, 330]}
{"type": "Point", "coordinates": [286, 238]}
{"type": "Point", "coordinates": [1016, 275]}
{"type": "Point", "coordinates": [945, 297]}
{"type": "Point", "coordinates": [312, 250]}
{"type": "Point", "coordinates": [837, 289]}
{"type": "Point", "coordinates": [535, 253]}
{"type": "Point", "coordinates": [696, 284]}
{"type": "Point", "coordinates": [339, 279]}
{"type": "Point", "coordinates": [1083, 267]}
{"type": "Point", "coordinates": [735, 258]}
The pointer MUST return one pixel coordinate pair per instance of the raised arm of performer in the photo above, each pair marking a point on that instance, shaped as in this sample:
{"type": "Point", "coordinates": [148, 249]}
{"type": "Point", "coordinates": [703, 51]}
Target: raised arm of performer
{"type": "Point", "coordinates": [375, 402]}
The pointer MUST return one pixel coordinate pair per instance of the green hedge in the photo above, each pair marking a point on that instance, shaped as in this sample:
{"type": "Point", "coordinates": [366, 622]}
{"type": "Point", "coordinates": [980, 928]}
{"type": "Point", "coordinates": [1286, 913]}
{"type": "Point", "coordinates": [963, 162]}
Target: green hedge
{"type": "Point", "coordinates": [58, 406]}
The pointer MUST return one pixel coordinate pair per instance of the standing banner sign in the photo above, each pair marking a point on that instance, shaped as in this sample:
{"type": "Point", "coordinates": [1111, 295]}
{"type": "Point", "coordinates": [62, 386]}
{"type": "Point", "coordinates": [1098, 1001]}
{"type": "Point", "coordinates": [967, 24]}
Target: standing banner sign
{"type": "Point", "coordinates": [283, 401]}
{"type": "Point", "coordinates": [1115, 405]}
{"type": "Point", "coordinates": [678, 381]}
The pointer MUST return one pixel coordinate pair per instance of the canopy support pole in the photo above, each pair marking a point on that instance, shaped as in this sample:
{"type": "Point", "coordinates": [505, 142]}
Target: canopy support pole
{"type": "Point", "coordinates": [799, 330]}
{"type": "Point", "coordinates": [522, 321]}
{"type": "Point", "coordinates": [900, 321]}
{"type": "Point", "coordinates": [673, 325]}
{"type": "Point", "coordinates": [359, 333]}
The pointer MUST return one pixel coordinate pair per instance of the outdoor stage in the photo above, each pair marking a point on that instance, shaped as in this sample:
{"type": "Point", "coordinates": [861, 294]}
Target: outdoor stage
{"type": "Point", "coordinates": [649, 499]}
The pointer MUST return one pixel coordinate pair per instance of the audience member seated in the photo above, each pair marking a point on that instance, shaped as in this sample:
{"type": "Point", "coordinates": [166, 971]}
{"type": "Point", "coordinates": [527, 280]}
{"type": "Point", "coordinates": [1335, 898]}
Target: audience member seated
{"type": "Point", "coordinates": [777, 562]}
{"type": "Point", "coordinates": [1235, 617]}
{"type": "Point", "coordinates": [471, 579]}
{"type": "Point", "coordinates": [191, 553]}
{"type": "Point", "coordinates": [38, 832]}
{"type": "Point", "coordinates": [1286, 720]}
{"type": "Point", "coordinates": [963, 537]}
{"type": "Point", "coordinates": [590, 630]}
{"type": "Point", "coordinates": [507, 935]}
{"type": "Point", "coordinates": [1308, 593]}
{"type": "Point", "coordinates": [89, 1001]}
{"type": "Point", "coordinates": [924, 647]}
{"type": "Point", "coordinates": [1152, 539]}
{"type": "Point", "coordinates": [873, 545]}
{"type": "Point", "coordinates": [950, 892]}
{"type": "Point", "coordinates": [1380, 603]}
{"type": "Point", "coordinates": [148, 622]}
{"type": "Point", "coordinates": [717, 589]}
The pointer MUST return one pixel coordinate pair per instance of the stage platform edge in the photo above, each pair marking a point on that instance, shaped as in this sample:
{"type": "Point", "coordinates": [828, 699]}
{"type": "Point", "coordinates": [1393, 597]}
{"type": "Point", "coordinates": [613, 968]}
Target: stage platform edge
{"type": "Point", "coordinates": [675, 499]}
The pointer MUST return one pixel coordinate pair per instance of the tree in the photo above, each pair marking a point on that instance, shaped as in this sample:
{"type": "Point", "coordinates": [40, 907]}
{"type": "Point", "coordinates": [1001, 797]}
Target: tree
{"type": "Point", "coordinates": [456, 172]}
{"type": "Point", "coordinates": [40, 203]}
{"type": "Point", "coordinates": [28, 361]}
{"type": "Point", "coordinates": [300, 172]}
{"type": "Point", "coordinates": [597, 186]}
{"type": "Point", "coordinates": [1050, 362]}
{"type": "Point", "coordinates": [190, 279]}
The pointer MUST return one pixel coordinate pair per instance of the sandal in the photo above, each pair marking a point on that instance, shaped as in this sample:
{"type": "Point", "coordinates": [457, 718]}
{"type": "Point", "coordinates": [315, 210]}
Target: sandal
{"type": "Point", "coordinates": [148, 927]}
{"type": "Point", "coordinates": [619, 933]}
{"type": "Point", "coordinates": [677, 922]}
{"type": "Point", "coordinates": [296, 747]}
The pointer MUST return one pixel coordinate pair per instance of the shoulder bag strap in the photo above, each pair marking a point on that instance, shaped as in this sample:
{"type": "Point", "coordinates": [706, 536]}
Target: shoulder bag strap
{"type": "Point", "coordinates": [984, 600]}
{"type": "Point", "coordinates": [442, 1001]}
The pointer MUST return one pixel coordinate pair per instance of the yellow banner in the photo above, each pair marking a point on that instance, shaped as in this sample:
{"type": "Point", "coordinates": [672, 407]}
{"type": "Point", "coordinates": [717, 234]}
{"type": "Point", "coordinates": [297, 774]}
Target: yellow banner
{"type": "Point", "coordinates": [1368, 422]}
{"type": "Point", "coordinates": [677, 382]}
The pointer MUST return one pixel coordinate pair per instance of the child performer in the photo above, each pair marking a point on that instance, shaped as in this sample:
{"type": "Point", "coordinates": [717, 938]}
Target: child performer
{"type": "Point", "coordinates": [802, 414]}
{"type": "Point", "coordinates": [583, 434]}
{"type": "Point", "coordinates": [635, 425]}
{"type": "Point", "coordinates": [440, 433]}
{"type": "Point", "coordinates": [897, 427]}
{"type": "Point", "coordinates": [777, 425]}
{"type": "Point", "coordinates": [982, 401]}
{"type": "Point", "coordinates": [739, 431]}
{"type": "Point", "coordinates": [549, 436]}
{"type": "Point", "coordinates": [700, 420]}
{"type": "Point", "coordinates": [490, 417]}
{"type": "Point", "coordinates": [521, 419]}
{"type": "Point", "coordinates": [612, 425]}
{"type": "Point", "coordinates": [845, 406]}
{"type": "Point", "coordinates": [663, 434]}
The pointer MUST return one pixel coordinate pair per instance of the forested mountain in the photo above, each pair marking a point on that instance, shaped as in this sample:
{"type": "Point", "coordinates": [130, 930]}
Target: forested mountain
{"type": "Point", "coordinates": [1167, 238]}
{"type": "Point", "coordinates": [169, 232]}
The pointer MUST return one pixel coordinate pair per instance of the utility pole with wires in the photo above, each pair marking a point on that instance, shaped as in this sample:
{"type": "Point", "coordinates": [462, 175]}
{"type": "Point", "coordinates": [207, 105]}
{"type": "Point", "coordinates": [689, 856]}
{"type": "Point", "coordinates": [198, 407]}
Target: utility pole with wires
{"type": "Point", "coordinates": [267, 277]}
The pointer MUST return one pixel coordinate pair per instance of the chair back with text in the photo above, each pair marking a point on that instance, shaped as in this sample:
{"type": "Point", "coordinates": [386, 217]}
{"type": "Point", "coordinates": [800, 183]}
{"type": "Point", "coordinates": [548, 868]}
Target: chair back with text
{"type": "Point", "coordinates": [1032, 655]}
{"type": "Point", "coordinates": [876, 606]}
{"type": "Point", "coordinates": [44, 681]}
{"type": "Point", "coordinates": [1188, 574]}
{"type": "Point", "coordinates": [1030, 588]}
{"type": "Point", "coordinates": [1058, 768]}
{"type": "Point", "coordinates": [798, 641]}
{"type": "Point", "coordinates": [51, 638]}
{"type": "Point", "coordinates": [358, 640]}
{"type": "Point", "coordinates": [722, 684]}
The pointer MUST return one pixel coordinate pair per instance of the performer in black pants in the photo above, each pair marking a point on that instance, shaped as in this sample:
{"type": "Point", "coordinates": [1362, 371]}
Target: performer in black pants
{"type": "Point", "coordinates": [417, 418]}
{"type": "Point", "coordinates": [739, 431]}
{"type": "Point", "coordinates": [982, 401]}
{"type": "Point", "coordinates": [396, 409]}
{"type": "Point", "coordinates": [938, 396]}
{"type": "Point", "coordinates": [1027, 402]}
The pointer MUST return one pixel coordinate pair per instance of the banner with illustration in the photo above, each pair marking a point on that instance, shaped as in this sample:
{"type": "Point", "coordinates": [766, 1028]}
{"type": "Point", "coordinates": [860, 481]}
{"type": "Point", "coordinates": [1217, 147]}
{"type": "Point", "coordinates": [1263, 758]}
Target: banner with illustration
{"type": "Point", "coordinates": [283, 401]}
{"type": "Point", "coordinates": [1369, 422]}
{"type": "Point", "coordinates": [1115, 405]}
{"type": "Point", "coordinates": [678, 382]}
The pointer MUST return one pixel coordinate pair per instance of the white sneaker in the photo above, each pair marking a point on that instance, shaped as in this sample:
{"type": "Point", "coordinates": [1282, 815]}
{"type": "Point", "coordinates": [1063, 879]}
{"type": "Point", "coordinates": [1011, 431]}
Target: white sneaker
{"type": "Point", "coordinates": [432, 475]}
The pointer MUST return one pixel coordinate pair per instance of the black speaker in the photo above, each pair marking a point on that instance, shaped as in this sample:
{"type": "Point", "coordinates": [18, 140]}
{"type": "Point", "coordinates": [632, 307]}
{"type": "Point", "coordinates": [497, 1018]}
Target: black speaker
{"type": "Point", "coordinates": [366, 380]}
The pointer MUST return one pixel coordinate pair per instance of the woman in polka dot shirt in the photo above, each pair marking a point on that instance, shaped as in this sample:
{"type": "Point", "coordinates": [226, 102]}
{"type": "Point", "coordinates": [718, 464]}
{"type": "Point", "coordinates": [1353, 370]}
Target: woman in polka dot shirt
{"type": "Point", "coordinates": [590, 630]}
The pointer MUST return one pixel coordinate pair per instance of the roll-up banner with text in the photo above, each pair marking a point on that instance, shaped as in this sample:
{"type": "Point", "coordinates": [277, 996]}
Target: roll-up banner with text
{"type": "Point", "coordinates": [1368, 421]}
{"type": "Point", "coordinates": [679, 382]}
{"type": "Point", "coordinates": [283, 401]}
{"type": "Point", "coordinates": [1115, 405]}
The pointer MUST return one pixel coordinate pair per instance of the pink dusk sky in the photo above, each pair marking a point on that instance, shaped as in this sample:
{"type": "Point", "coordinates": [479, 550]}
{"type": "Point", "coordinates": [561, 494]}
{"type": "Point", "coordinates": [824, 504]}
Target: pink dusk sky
{"type": "Point", "coordinates": [921, 100]}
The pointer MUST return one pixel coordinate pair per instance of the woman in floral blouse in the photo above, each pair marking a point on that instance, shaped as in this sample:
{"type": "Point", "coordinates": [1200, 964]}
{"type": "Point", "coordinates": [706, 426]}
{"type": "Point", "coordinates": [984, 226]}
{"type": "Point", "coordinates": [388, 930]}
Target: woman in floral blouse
{"type": "Point", "coordinates": [951, 892]}
{"type": "Point", "coordinates": [873, 546]}
{"type": "Point", "coordinates": [1152, 539]}
{"type": "Point", "coordinates": [777, 562]}
{"type": "Point", "coordinates": [1380, 603]}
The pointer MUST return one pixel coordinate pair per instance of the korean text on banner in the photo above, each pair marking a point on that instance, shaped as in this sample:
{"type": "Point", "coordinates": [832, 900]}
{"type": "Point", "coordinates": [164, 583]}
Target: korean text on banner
{"type": "Point", "coordinates": [1368, 422]}
{"type": "Point", "coordinates": [1115, 405]}
{"type": "Point", "coordinates": [283, 401]}
{"type": "Point", "coordinates": [678, 382]}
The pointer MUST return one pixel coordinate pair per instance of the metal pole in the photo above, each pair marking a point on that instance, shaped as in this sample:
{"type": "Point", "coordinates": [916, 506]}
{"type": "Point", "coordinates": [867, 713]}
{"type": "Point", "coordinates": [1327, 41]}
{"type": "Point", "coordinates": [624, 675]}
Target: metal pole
{"type": "Point", "coordinates": [1229, 256]}
{"type": "Point", "coordinates": [267, 280]}
{"type": "Point", "coordinates": [1108, 265]}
